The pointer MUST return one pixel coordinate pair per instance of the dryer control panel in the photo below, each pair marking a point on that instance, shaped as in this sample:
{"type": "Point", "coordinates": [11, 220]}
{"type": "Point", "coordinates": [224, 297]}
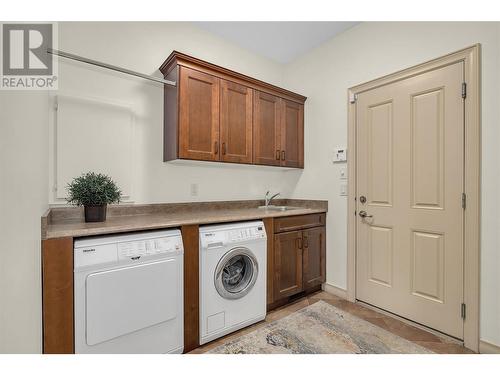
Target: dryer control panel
{"type": "Point", "coordinates": [148, 247]}
{"type": "Point", "coordinates": [127, 248]}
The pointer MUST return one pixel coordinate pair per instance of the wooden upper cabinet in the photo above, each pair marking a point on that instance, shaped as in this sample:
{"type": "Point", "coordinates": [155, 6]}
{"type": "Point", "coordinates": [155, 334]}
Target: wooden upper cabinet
{"type": "Point", "coordinates": [266, 129]}
{"type": "Point", "coordinates": [216, 114]}
{"type": "Point", "coordinates": [292, 134]}
{"type": "Point", "coordinates": [236, 119]}
{"type": "Point", "coordinates": [314, 256]}
{"type": "Point", "coordinates": [199, 115]}
{"type": "Point", "coordinates": [278, 131]}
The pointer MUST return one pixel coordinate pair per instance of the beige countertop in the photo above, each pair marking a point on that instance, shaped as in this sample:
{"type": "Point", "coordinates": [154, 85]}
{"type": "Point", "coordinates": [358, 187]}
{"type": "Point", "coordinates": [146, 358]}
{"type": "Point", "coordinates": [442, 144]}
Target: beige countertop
{"type": "Point", "coordinates": [69, 222]}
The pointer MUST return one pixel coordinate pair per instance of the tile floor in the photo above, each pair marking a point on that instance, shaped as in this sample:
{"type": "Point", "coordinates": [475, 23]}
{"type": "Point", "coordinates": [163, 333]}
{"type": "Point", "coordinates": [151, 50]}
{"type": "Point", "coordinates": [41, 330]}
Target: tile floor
{"type": "Point", "coordinates": [416, 335]}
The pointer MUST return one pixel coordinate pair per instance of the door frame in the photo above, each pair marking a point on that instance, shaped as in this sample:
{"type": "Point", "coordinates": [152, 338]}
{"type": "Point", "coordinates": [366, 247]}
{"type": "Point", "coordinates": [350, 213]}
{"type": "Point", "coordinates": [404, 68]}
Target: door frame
{"type": "Point", "coordinates": [472, 173]}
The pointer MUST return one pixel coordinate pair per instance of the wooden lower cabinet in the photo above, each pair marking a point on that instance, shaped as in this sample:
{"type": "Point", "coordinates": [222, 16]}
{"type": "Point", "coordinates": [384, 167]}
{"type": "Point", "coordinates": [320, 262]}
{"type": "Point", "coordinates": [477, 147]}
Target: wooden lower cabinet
{"type": "Point", "coordinates": [313, 257]}
{"type": "Point", "coordinates": [298, 256]}
{"type": "Point", "coordinates": [287, 264]}
{"type": "Point", "coordinates": [57, 296]}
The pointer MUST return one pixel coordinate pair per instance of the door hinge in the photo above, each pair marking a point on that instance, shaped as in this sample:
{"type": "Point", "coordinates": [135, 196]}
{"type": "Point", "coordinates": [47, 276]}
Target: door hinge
{"type": "Point", "coordinates": [462, 311]}
{"type": "Point", "coordinates": [464, 90]}
{"type": "Point", "coordinates": [464, 200]}
{"type": "Point", "coordinates": [353, 98]}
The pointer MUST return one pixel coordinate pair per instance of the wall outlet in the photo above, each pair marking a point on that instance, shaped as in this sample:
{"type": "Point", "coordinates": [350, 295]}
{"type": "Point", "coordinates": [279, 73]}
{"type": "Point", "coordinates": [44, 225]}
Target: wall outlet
{"type": "Point", "coordinates": [343, 173]}
{"type": "Point", "coordinates": [343, 190]}
{"type": "Point", "coordinates": [194, 190]}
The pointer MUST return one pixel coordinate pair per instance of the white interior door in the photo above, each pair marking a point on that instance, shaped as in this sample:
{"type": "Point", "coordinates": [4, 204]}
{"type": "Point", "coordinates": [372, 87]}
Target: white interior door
{"type": "Point", "coordinates": [410, 162]}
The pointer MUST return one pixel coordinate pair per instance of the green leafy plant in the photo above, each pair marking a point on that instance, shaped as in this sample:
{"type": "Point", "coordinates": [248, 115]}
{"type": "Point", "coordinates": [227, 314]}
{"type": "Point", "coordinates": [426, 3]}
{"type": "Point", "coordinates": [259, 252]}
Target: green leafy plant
{"type": "Point", "coordinates": [93, 189]}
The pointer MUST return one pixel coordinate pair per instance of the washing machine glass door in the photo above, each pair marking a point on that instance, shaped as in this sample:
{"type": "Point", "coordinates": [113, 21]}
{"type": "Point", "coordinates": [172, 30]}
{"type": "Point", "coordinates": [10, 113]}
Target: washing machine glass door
{"type": "Point", "coordinates": [236, 273]}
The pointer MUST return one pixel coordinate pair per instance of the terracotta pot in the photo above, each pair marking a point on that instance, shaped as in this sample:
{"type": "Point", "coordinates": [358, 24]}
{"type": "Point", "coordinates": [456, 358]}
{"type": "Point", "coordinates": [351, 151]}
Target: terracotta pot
{"type": "Point", "coordinates": [95, 213]}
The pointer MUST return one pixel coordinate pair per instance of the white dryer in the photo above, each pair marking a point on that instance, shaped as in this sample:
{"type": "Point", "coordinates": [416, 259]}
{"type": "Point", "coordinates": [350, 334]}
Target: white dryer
{"type": "Point", "coordinates": [232, 277]}
{"type": "Point", "coordinates": [129, 293]}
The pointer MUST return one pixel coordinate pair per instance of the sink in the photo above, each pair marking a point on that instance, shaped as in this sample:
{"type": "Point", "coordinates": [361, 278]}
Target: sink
{"type": "Point", "coordinates": [278, 208]}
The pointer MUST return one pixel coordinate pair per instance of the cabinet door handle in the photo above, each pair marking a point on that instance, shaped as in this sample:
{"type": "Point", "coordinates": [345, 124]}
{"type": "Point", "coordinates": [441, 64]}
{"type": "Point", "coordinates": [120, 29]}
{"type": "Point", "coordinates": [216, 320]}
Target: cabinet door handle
{"type": "Point", "coordinates": [299, 243]}
{"type": "Point", "coordinates": [283, 155]}
{"type": "Point", "coordinates": [224, 148]}
{"type": "Point", "coordinates": [216, 147]}
{"type": "Point", "coordinates": [306, 241]}
{"type": "Point", "coordinates": [277, 154]}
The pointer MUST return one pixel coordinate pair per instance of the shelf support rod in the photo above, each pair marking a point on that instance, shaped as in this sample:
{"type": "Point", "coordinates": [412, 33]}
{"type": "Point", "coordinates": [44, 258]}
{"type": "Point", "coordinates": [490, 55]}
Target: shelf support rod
{"type": "Point", "coordinates": [108, 66]}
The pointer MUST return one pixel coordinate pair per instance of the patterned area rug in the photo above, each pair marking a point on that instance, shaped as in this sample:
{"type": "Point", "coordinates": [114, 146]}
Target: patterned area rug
{"type": "Point", "coordinates": [319, 328]}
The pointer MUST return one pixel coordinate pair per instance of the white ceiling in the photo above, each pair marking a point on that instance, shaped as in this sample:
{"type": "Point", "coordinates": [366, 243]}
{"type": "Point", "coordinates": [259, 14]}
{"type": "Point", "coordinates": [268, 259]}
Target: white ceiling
{"type": "Point", "coordinates": [280, 41]}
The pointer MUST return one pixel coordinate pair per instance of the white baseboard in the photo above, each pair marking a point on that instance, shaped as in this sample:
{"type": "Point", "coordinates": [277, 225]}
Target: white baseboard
{"type": "Point", "coordinates": [339, 292]}
{"type": "Point", "coordinates": [486, 347]}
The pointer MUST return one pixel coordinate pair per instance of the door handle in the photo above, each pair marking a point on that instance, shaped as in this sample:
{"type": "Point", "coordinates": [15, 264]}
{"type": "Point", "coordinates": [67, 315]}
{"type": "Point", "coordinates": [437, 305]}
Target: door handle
{"type": "Point", "coordinates": [306, 241]}
{"type": "Point", "coordinates": [224, 148]}
{"type": "Point", "coordinates": [283, 155]}
{"type": "Point", "coordinates": [277, 154]}
{"type": "Point", "coordinates": [364, 214]}
{"type": "Point", "coordinates": [216, 147]}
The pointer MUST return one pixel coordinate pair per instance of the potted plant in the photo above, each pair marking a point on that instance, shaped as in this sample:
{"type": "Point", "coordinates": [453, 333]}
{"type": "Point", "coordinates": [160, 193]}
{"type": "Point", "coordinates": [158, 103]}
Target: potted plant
{"type": "Point", "coordinates": [94, 191]}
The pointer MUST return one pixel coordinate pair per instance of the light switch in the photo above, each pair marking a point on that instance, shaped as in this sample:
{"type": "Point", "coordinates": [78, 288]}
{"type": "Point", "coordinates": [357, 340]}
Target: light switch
{"type": "Point", "coordinates": [343, 173]}
{"type": "Point", "coordinates": [339, 155]}
{"type": "Point", "coordinates": [343, 190]}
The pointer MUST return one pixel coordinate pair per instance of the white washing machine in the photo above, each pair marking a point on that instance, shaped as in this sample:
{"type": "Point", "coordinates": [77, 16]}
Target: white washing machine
{"type": "Point", "coordinates": [232, 277]}
{"type": "Point", "coordinates": [128, 293]}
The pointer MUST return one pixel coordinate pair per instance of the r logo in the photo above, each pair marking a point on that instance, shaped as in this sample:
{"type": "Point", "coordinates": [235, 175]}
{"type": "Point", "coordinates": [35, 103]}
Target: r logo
{"type": "Point", "coordinates": [25, 49]}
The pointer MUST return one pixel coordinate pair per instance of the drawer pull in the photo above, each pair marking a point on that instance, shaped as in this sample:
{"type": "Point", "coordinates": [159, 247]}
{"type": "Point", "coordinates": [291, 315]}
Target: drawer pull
{"type": "Point", "coordinates": [299, 243]}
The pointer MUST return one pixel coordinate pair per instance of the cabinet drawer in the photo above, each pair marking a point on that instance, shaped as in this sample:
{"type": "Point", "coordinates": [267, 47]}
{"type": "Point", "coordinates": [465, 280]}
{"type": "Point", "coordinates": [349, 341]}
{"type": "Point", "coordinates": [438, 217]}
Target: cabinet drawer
{"type": "Point", "coordinates": [289, 223]}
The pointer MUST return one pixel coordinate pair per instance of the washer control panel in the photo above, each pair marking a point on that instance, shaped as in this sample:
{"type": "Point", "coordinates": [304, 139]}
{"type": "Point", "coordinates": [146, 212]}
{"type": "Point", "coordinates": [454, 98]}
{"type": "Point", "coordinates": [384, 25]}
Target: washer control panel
{"type": "Point", "coordinates": [244, 234]}
{"type": "Point", "coordinates": [211, 237]}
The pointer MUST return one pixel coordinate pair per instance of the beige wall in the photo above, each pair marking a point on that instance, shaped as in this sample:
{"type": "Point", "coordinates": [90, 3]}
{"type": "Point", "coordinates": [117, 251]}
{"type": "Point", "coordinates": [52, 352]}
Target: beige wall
{"type": "Point", "coordinates": [23, 199]}
{"type": "Point", "coordinates": [26, 121]}
{"type": "Point", "coordinates": [143, 47]}
{"type": "Point", "coordinates": [368, 51]}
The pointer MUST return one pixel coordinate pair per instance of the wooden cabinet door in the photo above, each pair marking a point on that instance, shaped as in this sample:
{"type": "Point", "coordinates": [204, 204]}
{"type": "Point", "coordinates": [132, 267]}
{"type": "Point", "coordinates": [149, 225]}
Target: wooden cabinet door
{"type": "Point", "coordinates": [292, 134]}
{"type": "Point", "coordinates": [314, 256]}
{"type": "Point", "coordinates": [199, 115]}
{"type": "Point", "coordinates": [287, 264]}
{"type": "Point", "coordinates": [236, 122]}
{"type": "Point", "coordinates": [266, 129]}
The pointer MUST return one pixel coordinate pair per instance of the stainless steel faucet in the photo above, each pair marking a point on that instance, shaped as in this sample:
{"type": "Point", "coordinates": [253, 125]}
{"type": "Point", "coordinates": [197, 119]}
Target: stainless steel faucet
{"type": "Point", "coordinates": [269, 199]}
